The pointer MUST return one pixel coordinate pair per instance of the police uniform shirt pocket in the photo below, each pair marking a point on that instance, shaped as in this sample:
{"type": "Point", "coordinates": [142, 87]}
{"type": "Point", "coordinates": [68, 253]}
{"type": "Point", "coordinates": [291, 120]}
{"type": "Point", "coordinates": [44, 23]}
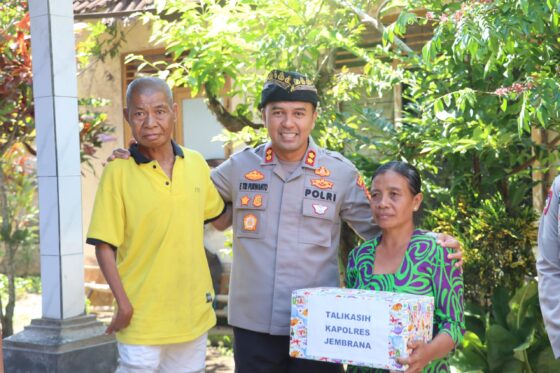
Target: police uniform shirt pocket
{"type": "Point", "coordinates": [317, 222]}
{"type": "Point", "coordinates": [249, 214]}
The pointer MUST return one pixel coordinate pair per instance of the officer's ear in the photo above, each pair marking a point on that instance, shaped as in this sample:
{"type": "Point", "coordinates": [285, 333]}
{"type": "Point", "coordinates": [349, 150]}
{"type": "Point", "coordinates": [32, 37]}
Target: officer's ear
{"type": "Point", "coordinates": [263, 115]}
{"type": "Point", "coordinates": [314, 116]}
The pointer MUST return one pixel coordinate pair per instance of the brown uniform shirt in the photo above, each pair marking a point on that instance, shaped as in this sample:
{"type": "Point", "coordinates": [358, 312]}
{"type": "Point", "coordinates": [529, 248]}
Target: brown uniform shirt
{"type": "Point", "coordinates": [286, 229]}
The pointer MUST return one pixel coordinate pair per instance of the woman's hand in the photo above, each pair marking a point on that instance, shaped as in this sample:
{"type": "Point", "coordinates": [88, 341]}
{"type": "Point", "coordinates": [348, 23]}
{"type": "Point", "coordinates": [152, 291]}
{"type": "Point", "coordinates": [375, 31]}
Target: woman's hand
{"type": "Point", "coordinates": [419, 357]}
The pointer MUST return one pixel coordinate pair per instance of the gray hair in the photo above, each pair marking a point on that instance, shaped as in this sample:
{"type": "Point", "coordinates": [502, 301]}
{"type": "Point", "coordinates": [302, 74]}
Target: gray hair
{"type": "Point", "coordinates": [148, 84]}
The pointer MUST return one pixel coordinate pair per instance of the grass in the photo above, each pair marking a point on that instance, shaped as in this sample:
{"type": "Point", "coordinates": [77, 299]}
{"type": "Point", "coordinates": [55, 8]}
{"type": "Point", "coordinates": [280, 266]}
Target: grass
{"type": "Point", "coordinates": [24, 285]}
{"type": "Point", "coordinates": [222, 343]}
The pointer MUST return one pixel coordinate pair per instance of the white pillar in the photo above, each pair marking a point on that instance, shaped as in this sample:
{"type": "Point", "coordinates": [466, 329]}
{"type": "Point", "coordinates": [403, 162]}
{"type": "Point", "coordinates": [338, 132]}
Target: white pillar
{"type": "Point", "coordinates": [64, 340]}
{"type": "Point", "coordinates": [58, 157]}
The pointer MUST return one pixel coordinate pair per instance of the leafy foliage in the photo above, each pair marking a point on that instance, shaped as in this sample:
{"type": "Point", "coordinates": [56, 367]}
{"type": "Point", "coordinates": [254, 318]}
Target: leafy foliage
{"type": "Point", "coordinates": [214, 41]}
{"type": "Point", "coordinates": [488, 76]}
{"type": "Point", "coordinates": [509, 338]}
{"type": "Point", "coordinates": [104, 39]}
{"type": "Point", "coordinates": [16, 100]}
{"type": "Point", "coordinates": [499, 246]}
{"type": "Point", "coordinates": [18, 221]}
{"type": "Point", "coordinates": [94, 129]}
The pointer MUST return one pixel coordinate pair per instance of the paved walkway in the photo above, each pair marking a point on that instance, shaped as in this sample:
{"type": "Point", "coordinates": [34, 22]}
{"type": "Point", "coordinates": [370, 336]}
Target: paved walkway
{"type": "Point", "coordinates": [217, 363]}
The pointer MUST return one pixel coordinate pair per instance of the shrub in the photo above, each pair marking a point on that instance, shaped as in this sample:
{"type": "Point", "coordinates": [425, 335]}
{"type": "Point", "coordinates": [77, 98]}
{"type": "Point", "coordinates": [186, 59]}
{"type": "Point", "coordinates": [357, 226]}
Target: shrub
{"type": "Point", "coordinates": [508, 338]}
{"type": "Point", "coordinates": [497, 245]}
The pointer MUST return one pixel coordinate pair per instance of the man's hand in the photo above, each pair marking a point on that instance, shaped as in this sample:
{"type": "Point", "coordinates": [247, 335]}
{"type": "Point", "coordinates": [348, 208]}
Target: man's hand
{"type": "Point", "coordinates": [118, 153]}
{"type": "Point", "coordinates": [225, 220]}
{"type": "Point", "coordinates": [445, 240]}
{"type": "Point", "coordinates": [106, 257]}
{"type": "Point", "coordinates": [418, 359]}
{"type": "Point", "coordinates": [121, 319]}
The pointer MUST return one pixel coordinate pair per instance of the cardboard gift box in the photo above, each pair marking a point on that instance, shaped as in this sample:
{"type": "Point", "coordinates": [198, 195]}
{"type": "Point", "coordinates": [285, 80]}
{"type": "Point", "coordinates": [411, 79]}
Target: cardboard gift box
{"type": "Point", "coordinates": [358, 327]}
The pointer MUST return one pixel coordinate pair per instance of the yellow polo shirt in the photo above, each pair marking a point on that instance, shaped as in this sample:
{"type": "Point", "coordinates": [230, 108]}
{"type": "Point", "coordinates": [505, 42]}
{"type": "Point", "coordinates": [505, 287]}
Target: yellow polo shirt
{"type": "Point", "coordinates": [156, 225]}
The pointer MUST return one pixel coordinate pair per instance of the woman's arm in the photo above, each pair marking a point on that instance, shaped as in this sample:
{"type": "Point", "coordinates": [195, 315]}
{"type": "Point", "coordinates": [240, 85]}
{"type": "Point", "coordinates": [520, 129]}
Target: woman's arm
{"type": "Point", "coordinates": [447, 282]}
{"type": "Point", "coordinates": [423, 353]}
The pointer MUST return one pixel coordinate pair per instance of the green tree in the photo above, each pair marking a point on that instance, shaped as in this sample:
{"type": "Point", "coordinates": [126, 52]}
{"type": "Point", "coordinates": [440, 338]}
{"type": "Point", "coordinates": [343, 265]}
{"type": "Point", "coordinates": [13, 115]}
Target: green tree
{"type": "Point", "coordinates": [487, 78]}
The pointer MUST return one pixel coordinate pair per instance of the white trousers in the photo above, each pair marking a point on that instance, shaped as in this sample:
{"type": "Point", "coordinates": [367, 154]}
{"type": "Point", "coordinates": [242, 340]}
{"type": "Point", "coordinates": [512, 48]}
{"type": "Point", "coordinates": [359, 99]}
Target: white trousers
{"type": "Point", "coordinates": [186, 357]}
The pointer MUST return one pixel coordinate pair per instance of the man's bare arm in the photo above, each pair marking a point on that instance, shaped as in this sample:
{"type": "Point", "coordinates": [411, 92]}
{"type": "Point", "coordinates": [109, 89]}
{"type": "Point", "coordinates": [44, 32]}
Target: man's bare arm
{"type": "Point", "coordinates": [225, 220]}
{"type": "Point", "coordinates": [107, 263]}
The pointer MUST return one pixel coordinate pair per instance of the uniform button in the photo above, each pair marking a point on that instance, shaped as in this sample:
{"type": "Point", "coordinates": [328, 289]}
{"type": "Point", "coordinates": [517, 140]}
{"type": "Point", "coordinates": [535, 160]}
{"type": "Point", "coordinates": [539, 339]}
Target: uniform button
{"type": "Point", "coordinates": [154, 166]}
{"type": "Point", "coordinates": [167, 183]}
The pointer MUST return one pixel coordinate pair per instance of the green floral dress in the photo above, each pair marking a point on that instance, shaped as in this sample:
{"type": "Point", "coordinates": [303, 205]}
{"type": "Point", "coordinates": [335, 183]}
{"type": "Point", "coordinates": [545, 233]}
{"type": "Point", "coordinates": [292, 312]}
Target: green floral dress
{"type": "Point", "coordinates": [425, 270]}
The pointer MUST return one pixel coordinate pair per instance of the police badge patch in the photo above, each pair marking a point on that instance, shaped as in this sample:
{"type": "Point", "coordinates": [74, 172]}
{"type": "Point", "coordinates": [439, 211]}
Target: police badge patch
{"type": "Point", "coordinates": [254, 175]}
{"type": "Point", "coordinates": [319, 209]}
{"type": "Point", "coordinates": [250, 222]}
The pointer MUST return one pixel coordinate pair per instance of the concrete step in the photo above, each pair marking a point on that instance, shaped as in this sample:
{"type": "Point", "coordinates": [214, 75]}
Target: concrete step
{"type": "Point", "coordinates": [99, 295]}
{"type": "Point", "coordinates": [92, 273]}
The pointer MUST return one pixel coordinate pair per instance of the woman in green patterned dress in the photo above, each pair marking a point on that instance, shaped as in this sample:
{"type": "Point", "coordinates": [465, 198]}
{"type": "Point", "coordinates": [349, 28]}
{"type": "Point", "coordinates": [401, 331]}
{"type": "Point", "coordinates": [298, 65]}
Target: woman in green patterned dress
{"type": "Point", "coordinates": [405, 259]}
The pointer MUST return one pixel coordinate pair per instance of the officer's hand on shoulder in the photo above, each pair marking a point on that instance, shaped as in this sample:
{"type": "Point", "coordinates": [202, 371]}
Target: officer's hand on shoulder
{"type": "Point", "coordinates": [445, 240]}
{"type": "Point", "coordinates": [120, 153]}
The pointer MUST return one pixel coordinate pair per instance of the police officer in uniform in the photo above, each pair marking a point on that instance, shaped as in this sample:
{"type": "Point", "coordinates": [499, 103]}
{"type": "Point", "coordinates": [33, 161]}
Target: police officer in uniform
{"type": "Point", "coordinates": [289, 198]}
{"type": "Point", "coordinates": [548, 267]}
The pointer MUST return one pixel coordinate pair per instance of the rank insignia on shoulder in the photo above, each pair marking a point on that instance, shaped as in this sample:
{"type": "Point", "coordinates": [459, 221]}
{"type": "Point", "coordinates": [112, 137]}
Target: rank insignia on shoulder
{"type": "Point", "coordinates": [362, 185]}
{"type": "Point", "coordinates": [254, 175]}
{"type": "Point", "coordinates": [245, 200]}
{"type": "Point", "coordinates": [322, 171]}
{"type": "Point", "coordinates": [310, 158]}
{"type": "Point", "coordinates": [268, 155]}
{"type": "Point", "coordinates": [322, 183]}
{"type": "Point", "coordinates": [319, 209]}
{"type": "Point", "coordinates": [360, 181]}
{"type": "Point", "coordinates": [250, 222]}
{"type": "Point", "coordinates": [257, 200]}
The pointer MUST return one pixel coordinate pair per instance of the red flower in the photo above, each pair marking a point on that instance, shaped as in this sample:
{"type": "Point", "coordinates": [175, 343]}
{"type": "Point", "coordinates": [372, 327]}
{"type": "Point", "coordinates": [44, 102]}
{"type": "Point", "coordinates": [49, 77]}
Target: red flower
{"type": "Point", "coordinates": [458, 15]}
{"type": "Point", "coordinates": [502, 91]}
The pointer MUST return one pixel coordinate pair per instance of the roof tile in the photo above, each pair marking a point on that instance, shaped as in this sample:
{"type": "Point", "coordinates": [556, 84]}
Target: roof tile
{"type": "Point", "coordinates": [110, 6]}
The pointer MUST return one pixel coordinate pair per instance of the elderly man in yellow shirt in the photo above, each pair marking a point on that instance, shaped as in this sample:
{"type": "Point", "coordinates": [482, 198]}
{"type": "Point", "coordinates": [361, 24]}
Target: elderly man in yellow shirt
{"type": "Point", "coordinates": [147, 227]}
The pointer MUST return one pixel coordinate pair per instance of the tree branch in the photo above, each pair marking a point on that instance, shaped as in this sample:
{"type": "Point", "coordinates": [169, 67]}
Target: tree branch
{"type": "Point", "coordinates": [376, 23]}
{"type": "Point", "coordinates": [550, 146]}
{"type": "Point", "coordinates": [231, 122]}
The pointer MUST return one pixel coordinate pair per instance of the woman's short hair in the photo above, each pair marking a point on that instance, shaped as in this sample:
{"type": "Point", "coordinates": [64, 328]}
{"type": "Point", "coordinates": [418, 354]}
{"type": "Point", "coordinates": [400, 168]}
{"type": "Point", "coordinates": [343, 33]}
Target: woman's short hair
{"type": "Point", "coordinates": [406, 170]}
